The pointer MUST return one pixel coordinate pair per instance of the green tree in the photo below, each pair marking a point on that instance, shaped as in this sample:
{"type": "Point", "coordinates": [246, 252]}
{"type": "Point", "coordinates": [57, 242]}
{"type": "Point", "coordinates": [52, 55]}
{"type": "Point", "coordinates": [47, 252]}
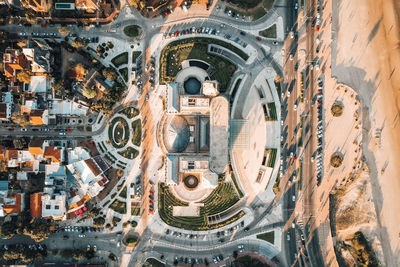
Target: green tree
{"type": "Point", "coordinates": [64, 31]}
{"type": "Point", "coordinates": [22, 119]}
{"type": "Point", "coordinates": [30, 16]}
{"type": "Point", "coordinates": [109, 73]}
{"type": "Point", "coordinates": [78, 43]}
{"type": "Point", "coordinates": [8, 229]}
{"type": "Point", "coordinates": [24, 76]}
{"type": "Point", "coordinates": [57, 86]}
{"type": "Point", "coordinates": [78, 254]}
{"type": "Point", "coordinates": [99, 222]}
{"type": "Point", "coordinates": [89, 92]}
{"type": "Point", "coordinates": [93, 212]}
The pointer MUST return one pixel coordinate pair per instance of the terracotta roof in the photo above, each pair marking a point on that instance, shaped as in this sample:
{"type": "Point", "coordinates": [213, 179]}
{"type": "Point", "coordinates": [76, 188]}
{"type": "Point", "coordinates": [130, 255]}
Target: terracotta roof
{"type": "Point", "coordinates": [36, 205]}
{"type": "Point", "coordinates": [3, 111]}
{"type": "Point", "coordinates": [11, 153]}
{"type": "Point", "coordinates": [16, 207]}
{"type": "Point", "coordinates": [93, 167]}
{"type": "Point", "coordinates": [35, 147]}
{"type": "Point", "coordinates": [2, 150]}
{"type": "Point", "coordinates": [35, 117]}
{"type": "Point", "coordinates": [53, 153]}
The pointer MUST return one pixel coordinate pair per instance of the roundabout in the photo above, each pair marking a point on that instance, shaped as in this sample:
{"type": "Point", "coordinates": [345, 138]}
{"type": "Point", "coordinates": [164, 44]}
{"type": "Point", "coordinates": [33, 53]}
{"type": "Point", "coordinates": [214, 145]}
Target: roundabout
{"type": "Point", "coordinates": [118, 132]}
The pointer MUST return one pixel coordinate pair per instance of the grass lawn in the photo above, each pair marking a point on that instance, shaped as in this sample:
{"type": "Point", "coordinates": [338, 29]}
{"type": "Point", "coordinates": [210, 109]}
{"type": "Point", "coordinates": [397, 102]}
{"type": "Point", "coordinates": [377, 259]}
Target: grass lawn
{"type": "Point", "coordinates": [245, 4]}
{"type": "Point", "coordinates": [272, 111]}
{"type": "Point", "coordinates": [136, 132]}
{"type": "Point", "coordinates": [120, 60]}
{"type": "Point", "coordinates": [194, 48]}
{"type": "Point", "coordinates": [124, 73]}
{"type": "Point", "coordinates": [123, 193]}
{"type": "Point", "coordinates": [131, 241]}
{"type": "Point", "coordinates": [268, 236]}
{"type": "Point", "coordinates": [135, 209]}
{"type": "Point", "coordinates": [236, 185]}
{"type": "Point", "coordinates": [129, 153]}
{"type": "Point", "coordinates": [135, 55]}
{"type": "Point", "coordinates": [132, 30]}
{"type": "Point", "coordinates": [151, 262]}
{"type": "Point", "coordinates": [130, 112]}
{"type": "Point", "coordinates": [268, 4]}
{"type": "Point", "coordinates": [269, 32]}
{"type": "Point", "coordinates": [118, 206]}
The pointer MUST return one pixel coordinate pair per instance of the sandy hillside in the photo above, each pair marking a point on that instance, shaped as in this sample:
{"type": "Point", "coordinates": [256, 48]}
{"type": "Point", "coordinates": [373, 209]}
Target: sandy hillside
{"type": "Point", "coordinates": [355, 212]}
{"type": "Point", "coordinates": [366, 56]}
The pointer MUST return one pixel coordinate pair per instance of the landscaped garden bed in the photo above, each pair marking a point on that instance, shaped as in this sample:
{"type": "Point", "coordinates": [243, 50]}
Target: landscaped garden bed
{"type": "Point", "coordinates": [136, 132]}
{"type": "Point", "coordinates": [269, 32]}
{"type": "Point", "coordinates": [129, 153]}
{"type": "Point", "coordinates": [130, 112]}
{"type": "Point", "coordinates": [132, 30]}
{"type": "Point", "coordinates": [220, 199]}
{"type": "Point", "coordinates": [118, 132]}
{"type": "Point", "coordinates": [176, 52]}
{"type": "Point", "coordinates": [118, 206]}
{"type": "Point", "coordinates": [120, 60]}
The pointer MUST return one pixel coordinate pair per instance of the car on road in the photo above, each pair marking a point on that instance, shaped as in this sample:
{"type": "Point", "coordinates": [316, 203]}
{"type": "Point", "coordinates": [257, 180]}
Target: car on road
{"type": "Point", "coordinates": [24, 129]}
{"type": "Point", "coordinates": [288, 236]}
{"type": "Point", "coordinates": [291, 57]}
{"type": "Point", "coordinates": [291, 154]}
{"type": "Point", "coordinates": [258, 38]}
{"type": "Point", "coordinates": [237, 16]}
{"type": "Point", "coordinates": [291, 35]}
{"type": "Point", "coordinates": [295, 107]}
{"type": "Point", "coordinates": [61, 133]}
{"type": "Point", "coordinates": [243, 33]}
{"type": "Point", "coordinates": [302, 237]}
{"type": "Point", "coordinates": [294, 198]}
{"type": "Point", "coordinates": [88, 248]}
{"type": "Point", "coordinates": [94, 248]}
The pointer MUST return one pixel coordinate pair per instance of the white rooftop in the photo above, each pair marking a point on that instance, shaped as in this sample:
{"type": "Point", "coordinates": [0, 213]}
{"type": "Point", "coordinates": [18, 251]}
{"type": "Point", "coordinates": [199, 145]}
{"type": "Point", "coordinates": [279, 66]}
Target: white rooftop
{"type": "Point", "coordinates": [38, 84]}
{"type": "Point", "coordinates": [77, 154]}
{"type": "Point", "coordinates": [219, 134]}
{"type": "Point", "coordinates": [67, 107]}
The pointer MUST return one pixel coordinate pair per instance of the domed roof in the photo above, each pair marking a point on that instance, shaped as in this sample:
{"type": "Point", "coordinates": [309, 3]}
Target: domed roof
{"type": "Point", "coordinates": [176, 134]}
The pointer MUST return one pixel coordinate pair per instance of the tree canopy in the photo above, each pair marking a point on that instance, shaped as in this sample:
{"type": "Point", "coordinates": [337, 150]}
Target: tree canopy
{"type": "Point", "coordinates": [89, 92]}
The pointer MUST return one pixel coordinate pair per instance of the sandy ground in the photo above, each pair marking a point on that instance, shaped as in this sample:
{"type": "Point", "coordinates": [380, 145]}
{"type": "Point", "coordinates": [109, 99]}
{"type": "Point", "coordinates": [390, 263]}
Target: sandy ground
{"type": "Point", "coordinates": [355, 211]}
{"type": "Point", "coordinates": [366, 58]}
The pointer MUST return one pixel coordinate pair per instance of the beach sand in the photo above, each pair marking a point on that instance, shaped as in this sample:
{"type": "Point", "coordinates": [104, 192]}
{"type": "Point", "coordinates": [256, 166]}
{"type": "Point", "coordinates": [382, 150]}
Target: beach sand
{"type": "Point", "coordinates": [366, 57]}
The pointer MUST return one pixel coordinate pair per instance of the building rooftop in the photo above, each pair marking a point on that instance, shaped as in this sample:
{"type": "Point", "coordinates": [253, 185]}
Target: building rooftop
{"type": "Point", "coordinates": [219, 134]}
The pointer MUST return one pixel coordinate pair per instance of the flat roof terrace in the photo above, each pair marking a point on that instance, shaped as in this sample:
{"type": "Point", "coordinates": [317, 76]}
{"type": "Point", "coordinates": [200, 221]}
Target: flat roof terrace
{"type": "Point", "coordinates": [219, 134]}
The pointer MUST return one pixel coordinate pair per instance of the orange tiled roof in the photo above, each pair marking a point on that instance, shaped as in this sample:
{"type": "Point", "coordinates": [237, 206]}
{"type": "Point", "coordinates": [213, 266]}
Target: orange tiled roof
{"type": "Point", "coordinates": [53, 153]}
{"type": "Point", "coordinates": [11, 153]}
{"type": "Point", "coordinates": [35, 117]}
{"type": "Point", "coordinates": [35, 147]}
{"type": "Point", "coordinates": [36, 205]}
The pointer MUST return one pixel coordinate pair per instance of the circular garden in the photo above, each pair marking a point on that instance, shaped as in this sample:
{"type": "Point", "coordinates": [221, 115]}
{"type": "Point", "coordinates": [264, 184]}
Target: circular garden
{"type": "Point", "coordinates": [118, 132]}
{"type": "Point", "coordinates": [191, 182]}
{"type": "Point", "coordinates": [337, 109]}
{"type": "Point", "coordinates": [336, 160]}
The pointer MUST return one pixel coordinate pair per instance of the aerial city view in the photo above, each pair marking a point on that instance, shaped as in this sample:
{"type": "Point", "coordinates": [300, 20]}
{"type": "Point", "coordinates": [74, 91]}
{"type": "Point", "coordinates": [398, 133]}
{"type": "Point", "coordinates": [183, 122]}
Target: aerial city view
{"type": "Point", "coordinates": [242, 133]}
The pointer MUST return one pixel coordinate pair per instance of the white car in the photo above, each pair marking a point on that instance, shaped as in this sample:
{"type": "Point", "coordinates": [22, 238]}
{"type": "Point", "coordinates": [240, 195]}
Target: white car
{"type": "Point", "coordinates": [281, 122]}
{"type": "Point", "coordinates": [312, 159]}
{"type": "Point", "coordinates": [295, 107]}
{"type": "Point", "coordinates": [288, 237]}
{"type": "Point", "coordinates": [23, 129]}
{"type": "Point", "coordinates": [291, 154]}
{"type": "Point", "coordinates": [291, 34]}
{"type": "Point", "coordinates": [294, 198]}
{"type": "Point", "coordinates": [288, 93]}
{"type": "Point", "coordinates": [317, 67]}
{"type": "Point", "coordinates": [291, 57]}
{"type": "Point", "coordinates": [293, 225]}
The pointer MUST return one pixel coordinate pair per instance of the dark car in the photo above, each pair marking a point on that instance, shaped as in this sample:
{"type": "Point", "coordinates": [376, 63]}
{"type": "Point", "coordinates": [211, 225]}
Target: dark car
{"type": "Point", "coordinates": [242, 33]}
